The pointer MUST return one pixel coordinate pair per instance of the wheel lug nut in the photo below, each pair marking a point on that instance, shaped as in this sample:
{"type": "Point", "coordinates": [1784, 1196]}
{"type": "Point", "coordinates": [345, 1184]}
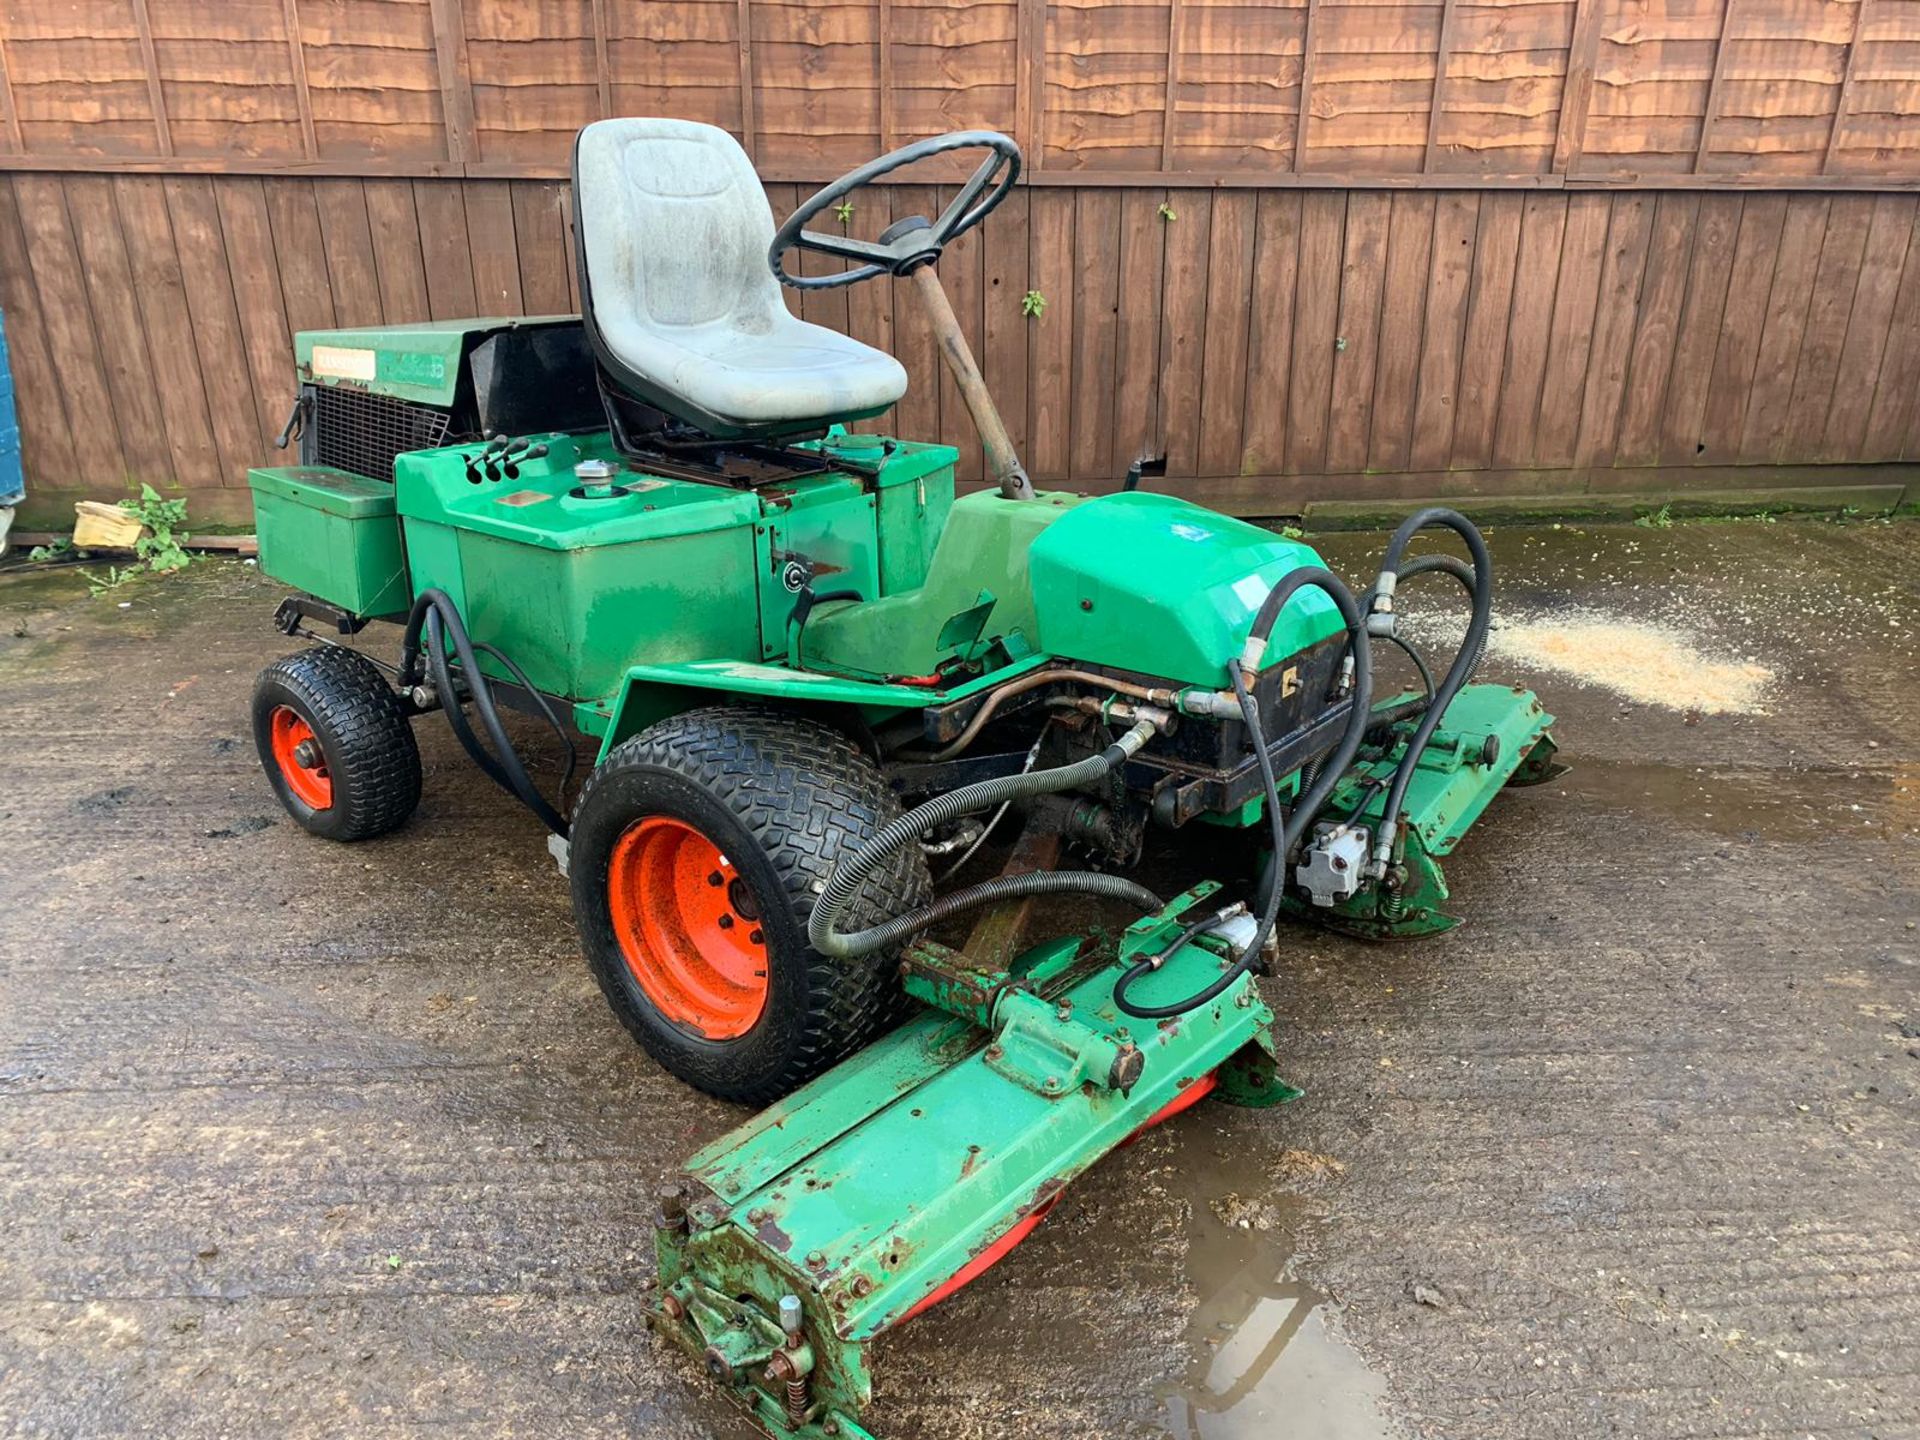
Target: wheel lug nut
{"type": "Point", "coordinates": [757, 936]}
{"type": "Point", "coordinates": [716, 879]}
{"type": "Point", "coordinates": [726, 922]}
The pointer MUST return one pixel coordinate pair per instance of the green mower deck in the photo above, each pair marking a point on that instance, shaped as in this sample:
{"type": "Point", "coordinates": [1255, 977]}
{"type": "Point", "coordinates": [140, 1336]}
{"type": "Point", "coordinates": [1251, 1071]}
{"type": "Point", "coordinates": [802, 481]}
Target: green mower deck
{"type": "Point", "coordinates": [889, 1182]}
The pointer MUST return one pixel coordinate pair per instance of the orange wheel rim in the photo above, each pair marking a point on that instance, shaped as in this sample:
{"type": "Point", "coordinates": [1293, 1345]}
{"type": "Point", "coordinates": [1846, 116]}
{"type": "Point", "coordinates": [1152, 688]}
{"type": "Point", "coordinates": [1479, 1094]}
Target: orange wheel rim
{"type": "Point", "coordinates": [688, 928]}
{"type": "Point", "coordinates": [296, 750]}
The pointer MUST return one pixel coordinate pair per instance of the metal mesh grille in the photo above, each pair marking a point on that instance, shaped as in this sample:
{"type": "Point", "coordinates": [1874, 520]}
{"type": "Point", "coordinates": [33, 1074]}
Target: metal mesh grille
{"type": "Point", "coordinates": [361, 433]}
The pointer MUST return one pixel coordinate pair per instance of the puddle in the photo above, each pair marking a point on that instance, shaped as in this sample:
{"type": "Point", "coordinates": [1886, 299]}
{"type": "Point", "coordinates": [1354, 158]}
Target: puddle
{"type": "Point", "coordinates": [27, 587]}
{"type": "Point", "coordinates": [1762, 805]}
{"type": "Point", "coordinates": [1269, 1364]}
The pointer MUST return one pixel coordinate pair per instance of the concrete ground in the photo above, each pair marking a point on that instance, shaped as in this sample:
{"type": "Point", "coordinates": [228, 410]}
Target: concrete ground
{"type": "Point", "coordinates": [298, 1139]}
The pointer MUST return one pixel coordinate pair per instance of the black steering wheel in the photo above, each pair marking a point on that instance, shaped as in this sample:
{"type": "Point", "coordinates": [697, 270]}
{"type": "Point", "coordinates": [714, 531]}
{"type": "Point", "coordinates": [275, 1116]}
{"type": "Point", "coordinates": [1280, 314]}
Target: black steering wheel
{"type": "Point", "coordinates": [906, 244]}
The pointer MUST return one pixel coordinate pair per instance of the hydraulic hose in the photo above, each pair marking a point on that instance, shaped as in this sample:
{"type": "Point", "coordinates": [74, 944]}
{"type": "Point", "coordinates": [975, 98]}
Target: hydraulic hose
{"type": "Point", "coordinates": [436, 618]}
{"type": "Point", "coordinates": [1287, 826]}
{"type": "Point", "coordinates": [990, 892]}
{"type": "Point", "coordinates": [1437, 565]}
{"type": "Point", "coordinates": [1471, 647]}
{"type": "Point", "coordinates": [1419, 663]}
{"type": "Point", "coordinates": [850, 873]}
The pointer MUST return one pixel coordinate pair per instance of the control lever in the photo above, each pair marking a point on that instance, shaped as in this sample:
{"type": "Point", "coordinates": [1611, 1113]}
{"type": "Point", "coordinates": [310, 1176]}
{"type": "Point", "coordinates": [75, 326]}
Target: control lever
{"type": "Point", "coordinates": [495, 452]}
{"type": "Point", "coordinates": [513, 462]}
{"type": "Point", "coordinates": [1154, 465]}
{"type": "Point", "coordinates": [296, 424]}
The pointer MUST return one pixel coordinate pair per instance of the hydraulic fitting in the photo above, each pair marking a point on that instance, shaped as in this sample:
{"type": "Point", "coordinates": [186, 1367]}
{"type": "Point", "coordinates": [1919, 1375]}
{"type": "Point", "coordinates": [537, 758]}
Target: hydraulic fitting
{"type": "Point", "coordinates": [1218, 704]}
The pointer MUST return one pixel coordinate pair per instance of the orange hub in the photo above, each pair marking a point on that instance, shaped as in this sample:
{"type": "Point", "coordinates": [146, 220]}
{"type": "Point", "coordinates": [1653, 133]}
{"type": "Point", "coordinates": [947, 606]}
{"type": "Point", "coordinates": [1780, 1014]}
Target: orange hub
{"type": "Point", "coordinates": [296, 750]}
{"type": "Point", "coordinates": [688, 927]}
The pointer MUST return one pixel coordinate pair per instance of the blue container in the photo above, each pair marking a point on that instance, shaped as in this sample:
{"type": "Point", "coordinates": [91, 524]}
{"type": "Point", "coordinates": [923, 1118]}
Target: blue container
{"type": "Point", "coordinates": [12, 483]}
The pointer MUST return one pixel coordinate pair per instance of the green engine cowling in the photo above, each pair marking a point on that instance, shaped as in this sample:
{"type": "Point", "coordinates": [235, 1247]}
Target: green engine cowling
{"type": "Point", "coordinates": [1159, 586]}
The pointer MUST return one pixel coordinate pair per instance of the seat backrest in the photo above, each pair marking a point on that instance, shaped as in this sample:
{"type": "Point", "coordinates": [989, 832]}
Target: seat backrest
{"type": "Point", "coordinates": [674, 228]}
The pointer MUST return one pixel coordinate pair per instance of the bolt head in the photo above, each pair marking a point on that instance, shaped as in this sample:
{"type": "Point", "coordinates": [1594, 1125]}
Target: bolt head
{"type": "Point", "coordinates": [671, 1307]}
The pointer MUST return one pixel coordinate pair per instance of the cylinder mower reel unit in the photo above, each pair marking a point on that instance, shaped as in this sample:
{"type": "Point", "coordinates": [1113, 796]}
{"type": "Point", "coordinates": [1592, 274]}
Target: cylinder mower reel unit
{"type": "Point", "coordinates": [814, 683]}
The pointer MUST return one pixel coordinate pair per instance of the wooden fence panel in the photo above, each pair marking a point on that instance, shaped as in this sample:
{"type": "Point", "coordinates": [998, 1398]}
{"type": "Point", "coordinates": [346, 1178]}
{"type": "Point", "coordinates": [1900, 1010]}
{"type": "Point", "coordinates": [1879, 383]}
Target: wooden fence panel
{"type": "Point", "coordinates": [79, 79]}
{"type": "Point", "coordinates": [687, 58]}
{"type": "Point", "coordinates": [373, 76]}
{"type": "Point", "coordinates": [1277, 346]}
{"type": "Point", "coordinates": [226, 80]}
{"type": "Point", "coordinates": [534, 67]}
{"type": "Point", "coordinates": [1106, 85]}
{"type": "Point", "coordinates": [1779, 93]}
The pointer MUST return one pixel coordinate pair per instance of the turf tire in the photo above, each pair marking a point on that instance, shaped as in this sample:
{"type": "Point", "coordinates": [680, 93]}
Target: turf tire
{"type": "Point", "coordinates": [783, 798]}
{"type": "Point", "coordinates": [364, 734]}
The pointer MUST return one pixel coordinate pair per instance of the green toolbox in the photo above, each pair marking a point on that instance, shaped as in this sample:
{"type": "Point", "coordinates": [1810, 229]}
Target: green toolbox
{"type": "Point", "coordinates": [331, 534]}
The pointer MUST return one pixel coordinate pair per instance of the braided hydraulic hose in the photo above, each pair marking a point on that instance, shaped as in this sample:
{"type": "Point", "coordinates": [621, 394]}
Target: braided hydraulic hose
{"type": "Point", "coordinates": [851, 872]}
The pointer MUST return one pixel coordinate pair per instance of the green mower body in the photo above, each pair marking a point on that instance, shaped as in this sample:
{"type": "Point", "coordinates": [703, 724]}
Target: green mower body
{"type": "Point", "coordinates": [776, 637]}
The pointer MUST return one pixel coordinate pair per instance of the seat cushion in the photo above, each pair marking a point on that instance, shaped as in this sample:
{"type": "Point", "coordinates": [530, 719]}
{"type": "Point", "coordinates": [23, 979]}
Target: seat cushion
{"type": "Point", "coordinates": [674, 231]}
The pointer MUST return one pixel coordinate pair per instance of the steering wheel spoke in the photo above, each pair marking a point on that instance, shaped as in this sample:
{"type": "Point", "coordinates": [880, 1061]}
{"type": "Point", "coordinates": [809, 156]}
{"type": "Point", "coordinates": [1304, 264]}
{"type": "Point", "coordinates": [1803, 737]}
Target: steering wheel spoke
{"type": "Point", "coordinates": [845, 247]}
{"type": "Point", "coordinates": [953, 220]}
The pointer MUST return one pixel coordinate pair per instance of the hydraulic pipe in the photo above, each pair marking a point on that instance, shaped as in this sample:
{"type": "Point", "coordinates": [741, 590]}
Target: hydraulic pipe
{"type": "Point", "coordinates": [1381, 600]}
{"type": "Point", "coordinates": [1003, 463]}
{"type": "Point", "coordinates": [850, 872]}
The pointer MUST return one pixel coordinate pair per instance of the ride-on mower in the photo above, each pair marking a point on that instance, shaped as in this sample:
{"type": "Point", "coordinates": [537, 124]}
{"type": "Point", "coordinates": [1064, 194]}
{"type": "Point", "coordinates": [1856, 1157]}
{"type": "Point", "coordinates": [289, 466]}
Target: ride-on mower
{"type": "Point", "coordinates": [814, 674]}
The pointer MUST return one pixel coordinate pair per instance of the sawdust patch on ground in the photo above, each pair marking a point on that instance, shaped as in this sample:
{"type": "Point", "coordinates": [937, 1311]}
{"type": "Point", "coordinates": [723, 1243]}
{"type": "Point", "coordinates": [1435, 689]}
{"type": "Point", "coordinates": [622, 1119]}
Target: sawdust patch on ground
{"type": "Point", "coordinates": [1653, 664]}
{"type": "Point", "coordinates": [1647, 662]}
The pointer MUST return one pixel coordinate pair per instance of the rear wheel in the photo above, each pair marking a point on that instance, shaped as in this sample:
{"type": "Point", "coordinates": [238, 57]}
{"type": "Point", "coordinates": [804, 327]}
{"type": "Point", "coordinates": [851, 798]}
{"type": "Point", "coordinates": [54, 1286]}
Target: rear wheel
{"type": "Point", "coordinates": [695, 852]}
{"type": "Point", "coordinates": [336, 744]}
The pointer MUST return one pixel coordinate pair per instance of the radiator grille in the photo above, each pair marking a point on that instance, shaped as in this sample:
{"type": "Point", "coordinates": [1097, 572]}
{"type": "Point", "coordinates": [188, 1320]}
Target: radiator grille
{"type": "Point", "coordinates": [361, 433]}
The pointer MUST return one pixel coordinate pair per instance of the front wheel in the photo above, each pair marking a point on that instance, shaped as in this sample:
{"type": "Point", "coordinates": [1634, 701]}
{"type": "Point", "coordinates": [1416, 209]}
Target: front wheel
{"type": "Point", "coordinates": [696, 850]}
{"type": "Point", "coordinates": [337, 747]}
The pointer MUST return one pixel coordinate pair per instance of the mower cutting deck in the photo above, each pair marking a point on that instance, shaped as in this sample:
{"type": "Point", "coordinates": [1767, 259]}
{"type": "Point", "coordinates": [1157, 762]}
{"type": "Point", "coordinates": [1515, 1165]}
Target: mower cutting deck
{"type": "Point", "coordinates": [812, 674]}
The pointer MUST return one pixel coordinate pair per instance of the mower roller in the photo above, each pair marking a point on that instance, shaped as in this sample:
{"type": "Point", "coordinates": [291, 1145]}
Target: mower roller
{"type": "Point", "coordinates": [812, 674]}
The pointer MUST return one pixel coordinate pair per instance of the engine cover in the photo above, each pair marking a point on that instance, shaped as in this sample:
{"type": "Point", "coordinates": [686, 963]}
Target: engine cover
{"type": "Point", "coordinates": [1158, 586]}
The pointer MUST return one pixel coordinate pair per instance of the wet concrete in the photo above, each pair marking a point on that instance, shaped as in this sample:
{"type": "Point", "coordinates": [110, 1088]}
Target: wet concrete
{"type": "Point", "coordinates": [297, 1139]}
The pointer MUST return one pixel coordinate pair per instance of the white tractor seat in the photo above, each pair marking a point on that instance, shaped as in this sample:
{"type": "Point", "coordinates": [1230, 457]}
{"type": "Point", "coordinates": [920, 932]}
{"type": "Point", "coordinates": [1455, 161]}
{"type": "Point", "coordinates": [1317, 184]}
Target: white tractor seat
{"type": "Point", "coordinates": [683, 310]}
